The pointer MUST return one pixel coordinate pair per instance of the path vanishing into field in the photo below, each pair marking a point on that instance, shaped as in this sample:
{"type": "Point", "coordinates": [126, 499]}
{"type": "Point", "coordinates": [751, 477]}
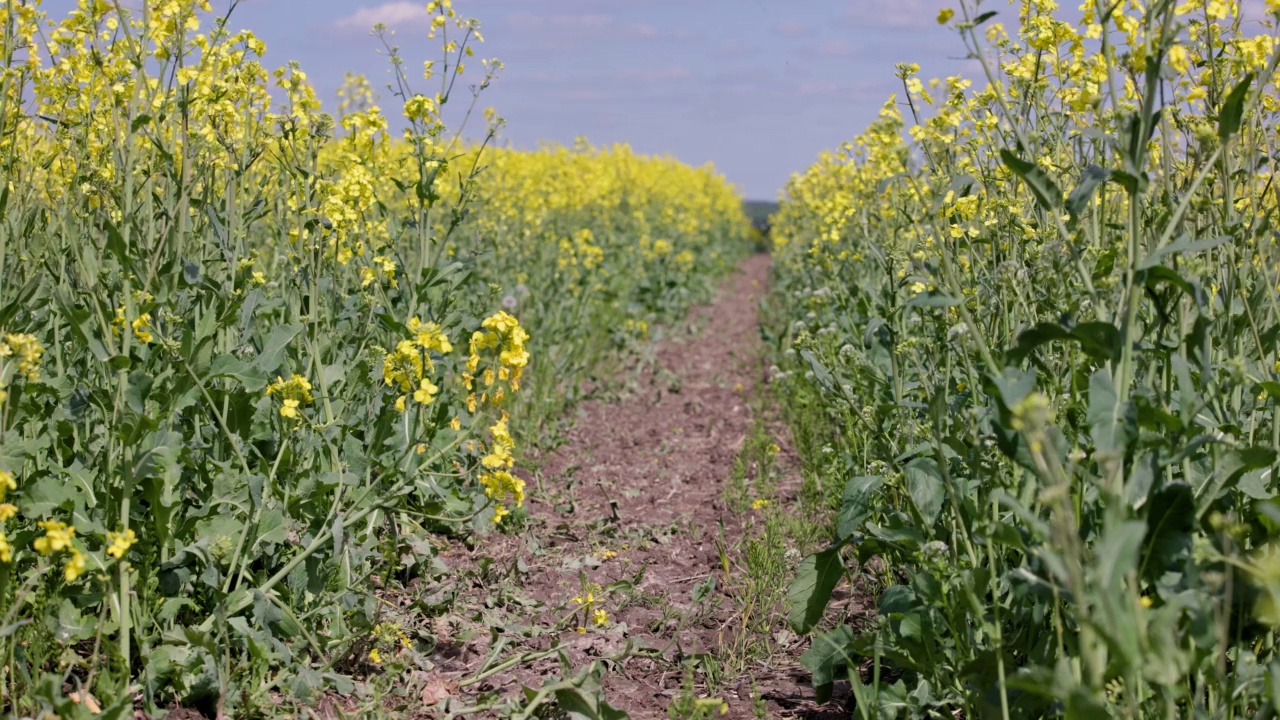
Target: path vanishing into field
{"type": "Point", "coordinates": [634, 502]}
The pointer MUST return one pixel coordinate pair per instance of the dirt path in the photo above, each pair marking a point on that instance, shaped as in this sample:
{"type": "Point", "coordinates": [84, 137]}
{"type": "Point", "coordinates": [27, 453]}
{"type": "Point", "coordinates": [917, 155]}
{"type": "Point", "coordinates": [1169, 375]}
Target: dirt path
{"type": "Point", "coordinates": [632, 513]}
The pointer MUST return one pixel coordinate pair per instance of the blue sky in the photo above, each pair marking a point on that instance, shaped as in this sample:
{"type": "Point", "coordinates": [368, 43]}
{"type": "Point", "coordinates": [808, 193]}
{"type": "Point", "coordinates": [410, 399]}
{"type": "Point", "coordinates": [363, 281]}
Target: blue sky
{"type": "Point", "coordinates": [758, 88]}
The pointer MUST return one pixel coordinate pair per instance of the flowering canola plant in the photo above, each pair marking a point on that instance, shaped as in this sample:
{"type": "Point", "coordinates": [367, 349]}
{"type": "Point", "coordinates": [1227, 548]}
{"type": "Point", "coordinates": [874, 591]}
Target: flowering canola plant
{"type": "Point", "coordinates": [253, 354]}
{"type": "Point", "coordinates": [1028, 321]}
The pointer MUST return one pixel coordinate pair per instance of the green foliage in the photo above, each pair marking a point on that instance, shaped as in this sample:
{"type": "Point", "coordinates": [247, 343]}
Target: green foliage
{"type": "Point", "coordinates": [257, 362]}
{"type": "Point", "coordinates": [1046, 421]}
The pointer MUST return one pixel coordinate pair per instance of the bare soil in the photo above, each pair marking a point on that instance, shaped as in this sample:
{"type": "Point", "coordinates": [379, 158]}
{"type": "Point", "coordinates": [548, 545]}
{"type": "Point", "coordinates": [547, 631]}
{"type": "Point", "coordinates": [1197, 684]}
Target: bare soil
{"type": "Point", "coordinates": [644, 477]}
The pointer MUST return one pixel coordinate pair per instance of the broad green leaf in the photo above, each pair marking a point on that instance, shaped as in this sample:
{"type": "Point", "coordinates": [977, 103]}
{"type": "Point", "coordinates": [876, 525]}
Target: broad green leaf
{"type": "Point", "coordinates": [811, 590]}
{"type": "Point", "coordinates": [856, 504]}
{"type": "Point", "coordinates": [49, 493]}
{"type": "Point", "coordinates": [1101, 340]}
{"type": "Point", "coordinates": [829, 653]}
{"type": "Point", "coordinates": [252, 378]}
{"type": "Point", "coordinates": [273, 351]}
{"type": "Point", "coordinates": [925, 486]}
{"type": "Point", "coordinates": [1232, 113]}
{"type": "Point", "coordinates": [1230, 467]}
{"type": "Point", "coordinates": [1171, 515]}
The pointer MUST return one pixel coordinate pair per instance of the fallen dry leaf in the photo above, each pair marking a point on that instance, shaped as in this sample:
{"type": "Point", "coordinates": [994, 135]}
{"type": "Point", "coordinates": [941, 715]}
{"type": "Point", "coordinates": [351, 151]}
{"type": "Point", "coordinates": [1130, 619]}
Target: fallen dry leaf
{"type": "Point", "coordinates": [438, 690]}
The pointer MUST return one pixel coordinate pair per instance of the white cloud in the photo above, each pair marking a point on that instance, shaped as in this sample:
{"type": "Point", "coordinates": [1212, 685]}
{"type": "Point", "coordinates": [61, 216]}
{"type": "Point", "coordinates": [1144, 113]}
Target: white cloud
{"type": "Point", "coordinates": [390, 14]}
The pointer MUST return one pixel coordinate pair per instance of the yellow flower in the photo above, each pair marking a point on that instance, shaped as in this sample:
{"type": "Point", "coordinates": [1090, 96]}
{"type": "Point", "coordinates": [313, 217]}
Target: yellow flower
{"type": "Point", "coordinates": [759, 503]}
{"type": "Point", "coordinates": [29, 352]}
{"type": "Point", "coordinates": [7, 511]}
{"type": "Point", "coordinates": [6, 550]}
{"type": "Point", "coordinates": [74, 566]}
{"type": "Point", "coordinates": [945, 15]}
{"type": "Point", "coordinates": [293, 393]}
{"type": "Point", "coordinates": [142, 328]}
{"type": "Point", "coordinates": [375, 657]}
{"type": "Point", "coordinates": [120, 543]}
{"type": "Point", "coordinates": [400, 403]}
{"type": "Point", "coordinates": [57, 537]}
{"type": "Point", "coordinates": [500, 452]}
{"type": "Point", "coordinates": [426, 392]}
{"type": "Point", "coordinates": [599, 617]}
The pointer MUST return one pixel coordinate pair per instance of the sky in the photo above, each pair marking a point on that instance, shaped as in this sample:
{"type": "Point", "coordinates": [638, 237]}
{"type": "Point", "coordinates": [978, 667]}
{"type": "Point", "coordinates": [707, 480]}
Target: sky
{"type": "Point", "coordinates": [756, 87]}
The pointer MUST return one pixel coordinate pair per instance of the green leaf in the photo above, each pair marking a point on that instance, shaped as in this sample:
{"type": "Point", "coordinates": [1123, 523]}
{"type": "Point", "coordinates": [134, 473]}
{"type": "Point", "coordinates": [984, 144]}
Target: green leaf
{"type": "Point", "coordinates": [1109, 432]}
{"type": "Point", "coordinates": [585, 701]}
{"type": "Point", "coordinates": [252, 378]}
{"type": "Point", "coordinates": [924, 485]}
{"type": "Point", "coordinates": [828, 653]}
{"type": "Point", "coordinates": [1082, 705]}
{"type": "Point", "coordinates": [820, 372]}
{"type": "Point", "coordinates": [1233, 109]}
{"type": "Point", "coordinates": [1170, 521]}
{"type": "Point", "coordinates": [1013, 385]}
{"type": "Point", "coordinates": [1032, 338]}
{"type": "Point", "coordinates": [1234, 464]}
{"type": "Point", "coordinates": [1038, 181]}
{"type": "Point", "coordinates": [1079, 198]}
{"type": "Point", "coordinates": [811, 590]}
{"type": "Point", "coordinates": [51, 493]}
{"type": "Point", "coordinates": [1133, 183]}
{"type": "Point", "coordinates": [1182, 246]}
{"type": "Point", "coordinates": [273, 352]}
{"type": "Point", "coordinates": [1100, 339]}
{"type": "Point", "coordinates": [855, 506]}
{"type": "Point", "coordinates": [1153, 277]}
{"type": "Point", "coordinates": [1117, 554]}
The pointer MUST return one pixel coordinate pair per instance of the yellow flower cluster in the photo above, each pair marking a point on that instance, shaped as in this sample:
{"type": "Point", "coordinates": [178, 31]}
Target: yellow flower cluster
{"type": "Point", "coordinates": [587, 604]}
{"type": "Point", "coordinates": [1093, 149]}
{"type": "Point", "coordinates": [118, 543]}
{"type": "Point", "coordinates": [501, 447]}
{"type": "Point", "coordinates": [407, 368]}
{"type": "Point", "coordinates": [293, 393]}
{"type": "Point", "coordinates": [58, 536]}
{"type": "Point", "coordinates": [500, 332]}
{"type": "Point", "coordinates": [504, 489]}
{"type": "Point", "coordinates": [26, 350]}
